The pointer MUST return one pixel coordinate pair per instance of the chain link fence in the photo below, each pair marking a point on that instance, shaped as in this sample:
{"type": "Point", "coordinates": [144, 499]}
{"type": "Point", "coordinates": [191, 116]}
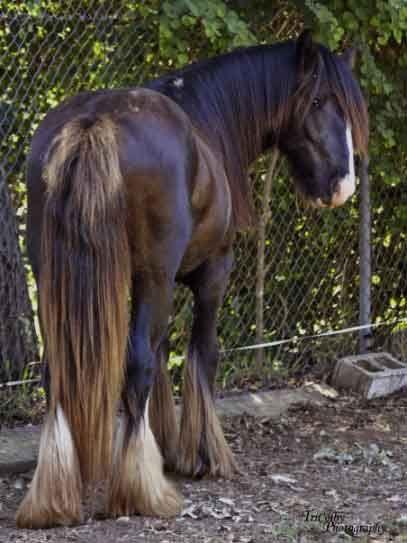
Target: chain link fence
{"type": "Point", "coordinates": [296, 274]}
{"type": "Point", "coordinates": [309, 285]}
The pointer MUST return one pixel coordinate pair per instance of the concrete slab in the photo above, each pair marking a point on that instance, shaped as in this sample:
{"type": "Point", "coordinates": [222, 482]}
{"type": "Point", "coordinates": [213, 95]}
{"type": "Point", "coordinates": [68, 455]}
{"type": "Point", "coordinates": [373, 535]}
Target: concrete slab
{"type": "Point", "coordinates": [19, 447]}
{"type": "Point", "coordinates": [372, 375]}
{"type": "Point", "coordinates": [268, 403]}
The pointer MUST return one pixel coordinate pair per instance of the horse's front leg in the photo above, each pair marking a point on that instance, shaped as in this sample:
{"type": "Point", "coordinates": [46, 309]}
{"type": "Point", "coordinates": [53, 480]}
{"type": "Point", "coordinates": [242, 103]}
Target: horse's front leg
{"type": "Point", "coordinates": [138, 482]}
{"type": "Point", "coordinates": [203, 448]}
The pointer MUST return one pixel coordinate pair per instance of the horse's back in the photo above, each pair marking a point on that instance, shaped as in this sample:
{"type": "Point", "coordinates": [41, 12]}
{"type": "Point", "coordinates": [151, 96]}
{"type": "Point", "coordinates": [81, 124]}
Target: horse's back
{"type": "Point", "coordinates": [148, 117]}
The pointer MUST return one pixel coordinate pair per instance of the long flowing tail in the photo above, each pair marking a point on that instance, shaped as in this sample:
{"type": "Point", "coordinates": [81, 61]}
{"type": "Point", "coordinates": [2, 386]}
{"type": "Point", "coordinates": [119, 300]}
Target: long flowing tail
{"type": "Point", "coordinates": [84, 285]}
{"type": "Point", "coordinates": [83, 288]}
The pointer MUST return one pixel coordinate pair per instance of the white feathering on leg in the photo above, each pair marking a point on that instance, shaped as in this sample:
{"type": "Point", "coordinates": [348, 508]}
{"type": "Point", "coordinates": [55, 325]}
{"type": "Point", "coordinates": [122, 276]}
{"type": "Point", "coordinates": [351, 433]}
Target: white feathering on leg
{"type": "Point", "coordinates": [138, 482]}
{"type": "Point", "coordinates": [54, 497]}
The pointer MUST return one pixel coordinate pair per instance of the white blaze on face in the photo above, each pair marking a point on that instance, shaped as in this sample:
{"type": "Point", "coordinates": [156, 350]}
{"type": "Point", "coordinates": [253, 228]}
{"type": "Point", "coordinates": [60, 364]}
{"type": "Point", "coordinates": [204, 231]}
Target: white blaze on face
{"type": "Point", "coordinates": [346, 185]}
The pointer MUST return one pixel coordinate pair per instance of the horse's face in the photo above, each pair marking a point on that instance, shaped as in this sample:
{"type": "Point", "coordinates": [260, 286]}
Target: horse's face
{"type": "Point", "coordinates": [322, 159]}
{"type": "Point", "coordinates": [320, 150]}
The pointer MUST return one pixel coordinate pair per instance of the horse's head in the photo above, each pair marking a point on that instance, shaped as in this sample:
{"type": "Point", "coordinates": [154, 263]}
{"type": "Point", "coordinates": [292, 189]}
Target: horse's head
{"type": "Point", "coordinates": [328, 119]}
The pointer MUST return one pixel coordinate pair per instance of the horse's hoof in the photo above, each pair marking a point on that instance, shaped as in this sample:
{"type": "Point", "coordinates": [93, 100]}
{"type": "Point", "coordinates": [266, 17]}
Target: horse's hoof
{"type": "Point", "coordinates": [164, 502]}
{"type": "Point", "coordinates": [35, 519]}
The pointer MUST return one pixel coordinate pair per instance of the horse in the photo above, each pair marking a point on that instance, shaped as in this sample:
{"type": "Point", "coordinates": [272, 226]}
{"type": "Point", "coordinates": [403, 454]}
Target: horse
{"type": "Point", "coordinates": [129, 192]}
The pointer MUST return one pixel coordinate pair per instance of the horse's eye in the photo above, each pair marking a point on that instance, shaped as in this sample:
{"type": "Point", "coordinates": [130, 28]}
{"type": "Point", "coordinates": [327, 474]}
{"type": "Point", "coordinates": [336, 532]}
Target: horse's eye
{"type": "Point", "coordinates": [316, 102]}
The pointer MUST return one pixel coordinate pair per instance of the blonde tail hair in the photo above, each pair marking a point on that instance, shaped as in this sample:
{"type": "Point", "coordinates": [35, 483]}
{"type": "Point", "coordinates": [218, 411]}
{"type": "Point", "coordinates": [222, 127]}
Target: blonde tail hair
{"type": "Point", "coordinates": [83, 288]}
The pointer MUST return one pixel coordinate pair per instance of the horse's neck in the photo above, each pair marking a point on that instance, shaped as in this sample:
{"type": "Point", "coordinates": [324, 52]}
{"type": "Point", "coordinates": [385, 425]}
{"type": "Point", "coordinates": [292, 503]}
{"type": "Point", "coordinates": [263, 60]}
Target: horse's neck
{"type": "Point", "coordinates": [234, 99]}
{"type": "Point", "coordinates": [235, 102]}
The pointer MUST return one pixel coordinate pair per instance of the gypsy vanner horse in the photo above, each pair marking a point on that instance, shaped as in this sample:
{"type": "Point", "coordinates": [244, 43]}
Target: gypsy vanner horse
{"type": "Point", "coordinates": [130, 191]}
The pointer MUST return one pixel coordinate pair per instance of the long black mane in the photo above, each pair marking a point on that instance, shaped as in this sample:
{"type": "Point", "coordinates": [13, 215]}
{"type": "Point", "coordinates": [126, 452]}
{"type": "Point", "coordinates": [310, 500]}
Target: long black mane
{"type": "Point", "coordinates": [243, 101]}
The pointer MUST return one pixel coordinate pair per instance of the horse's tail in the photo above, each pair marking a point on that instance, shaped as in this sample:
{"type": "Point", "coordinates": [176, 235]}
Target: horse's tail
{"type": "Point", "coordinates": [84, 285]}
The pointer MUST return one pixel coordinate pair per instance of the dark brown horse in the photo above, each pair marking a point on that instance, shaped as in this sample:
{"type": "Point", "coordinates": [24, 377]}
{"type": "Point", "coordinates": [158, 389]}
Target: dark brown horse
{"type": "Point", "coordinates": [130, 191]}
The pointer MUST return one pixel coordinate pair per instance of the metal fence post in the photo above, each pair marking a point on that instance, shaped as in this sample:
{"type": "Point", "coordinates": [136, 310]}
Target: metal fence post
{"type": "Point", "coordinates": [365, 266]}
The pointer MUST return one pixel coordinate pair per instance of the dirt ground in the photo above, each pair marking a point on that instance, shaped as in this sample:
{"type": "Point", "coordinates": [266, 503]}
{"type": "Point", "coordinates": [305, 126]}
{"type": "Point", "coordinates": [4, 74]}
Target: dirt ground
{"type": "Point", "coordinates": [328, 474]}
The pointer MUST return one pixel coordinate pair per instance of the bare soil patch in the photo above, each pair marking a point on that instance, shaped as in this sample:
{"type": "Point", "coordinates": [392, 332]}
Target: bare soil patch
{"type": "Point", "coordinates": [347, 459]}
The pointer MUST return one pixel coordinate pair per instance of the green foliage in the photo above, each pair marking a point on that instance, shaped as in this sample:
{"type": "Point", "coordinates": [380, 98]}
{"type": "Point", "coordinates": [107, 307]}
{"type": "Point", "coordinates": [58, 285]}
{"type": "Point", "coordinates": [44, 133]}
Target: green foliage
{"type": "Point", "coordinates": [50, 50]}
{"type": "Point", "coordinates": [189, 26]}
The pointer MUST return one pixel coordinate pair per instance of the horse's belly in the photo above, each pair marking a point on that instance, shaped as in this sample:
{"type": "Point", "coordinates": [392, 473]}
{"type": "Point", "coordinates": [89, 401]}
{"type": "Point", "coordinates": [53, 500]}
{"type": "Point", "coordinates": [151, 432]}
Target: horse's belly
{"type": "Point", "coordinates": [203, 245]}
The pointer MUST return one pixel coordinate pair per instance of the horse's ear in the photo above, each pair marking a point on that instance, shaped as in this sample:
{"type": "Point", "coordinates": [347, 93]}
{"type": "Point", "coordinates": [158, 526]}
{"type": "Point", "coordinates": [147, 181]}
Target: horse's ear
{"type": "Point", "coordinates": [306, 52]}
{"type": "Point", "coordinates": [349, 57]}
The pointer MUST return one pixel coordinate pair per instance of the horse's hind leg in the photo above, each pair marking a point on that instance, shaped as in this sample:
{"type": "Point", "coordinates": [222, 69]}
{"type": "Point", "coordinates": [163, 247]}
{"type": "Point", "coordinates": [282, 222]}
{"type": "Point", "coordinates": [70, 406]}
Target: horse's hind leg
{"type": "Point", "coordinates": [54, 497]}
{"type": "Point", "coordinates": [162, 409]}
{"type": "Point", "coordinates": [203, 448]}
{"type": "Point", "coordinates": [138, 482]}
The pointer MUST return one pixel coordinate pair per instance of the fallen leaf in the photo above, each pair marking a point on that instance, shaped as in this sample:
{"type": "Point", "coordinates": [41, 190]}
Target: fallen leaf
{"type": "Point", "coordinates": [189, 512]}
{"type": "Point", "coordinates": [283, 479]}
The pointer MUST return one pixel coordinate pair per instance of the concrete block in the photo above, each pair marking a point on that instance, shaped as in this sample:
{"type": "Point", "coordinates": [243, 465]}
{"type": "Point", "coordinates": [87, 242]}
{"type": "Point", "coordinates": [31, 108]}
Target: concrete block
{"type": "Point", "coordinates": [372, 375]}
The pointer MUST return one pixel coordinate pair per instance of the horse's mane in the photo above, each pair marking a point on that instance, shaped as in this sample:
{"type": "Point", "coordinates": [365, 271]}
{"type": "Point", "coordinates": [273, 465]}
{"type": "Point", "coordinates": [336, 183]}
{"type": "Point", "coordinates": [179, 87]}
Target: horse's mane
{"type": "Point", "coordinates": [236, 98]}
